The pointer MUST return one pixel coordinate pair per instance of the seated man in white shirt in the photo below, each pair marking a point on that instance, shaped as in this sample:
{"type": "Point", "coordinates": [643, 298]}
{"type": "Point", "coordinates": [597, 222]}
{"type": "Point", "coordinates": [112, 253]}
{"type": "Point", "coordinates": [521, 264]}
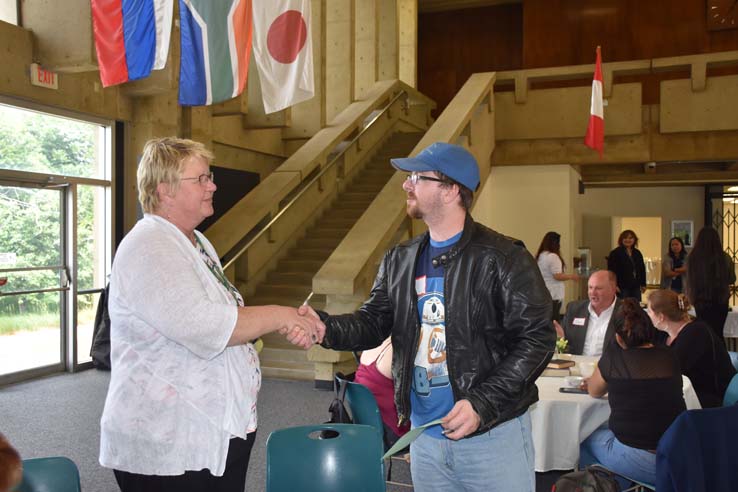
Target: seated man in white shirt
{"type": "Point", "coordinates": [590, 324]}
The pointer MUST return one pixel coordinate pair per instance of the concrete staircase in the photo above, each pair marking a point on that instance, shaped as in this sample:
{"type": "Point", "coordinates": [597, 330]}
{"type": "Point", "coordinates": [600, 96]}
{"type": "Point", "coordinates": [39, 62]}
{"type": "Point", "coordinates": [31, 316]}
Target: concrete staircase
{"type": "Point", "coordinates": [291, 282]}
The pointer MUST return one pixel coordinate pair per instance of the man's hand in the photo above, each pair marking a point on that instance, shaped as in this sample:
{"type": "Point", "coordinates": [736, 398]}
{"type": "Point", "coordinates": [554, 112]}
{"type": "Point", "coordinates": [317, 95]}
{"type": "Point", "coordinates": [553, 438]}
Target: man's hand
{"type": "Point", "coordinates": [306, 310]}
{"type": "Point", "coordinates": [461, 421]}
{"type": "Point", "coordinates": [301, 328]}
{"type": "Point", "coordinates": [559, 330]}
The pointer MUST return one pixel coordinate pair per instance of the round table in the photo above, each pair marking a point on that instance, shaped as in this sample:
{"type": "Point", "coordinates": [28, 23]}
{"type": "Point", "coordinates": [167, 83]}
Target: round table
{"type": "Point", "coordinates": [561, 421]}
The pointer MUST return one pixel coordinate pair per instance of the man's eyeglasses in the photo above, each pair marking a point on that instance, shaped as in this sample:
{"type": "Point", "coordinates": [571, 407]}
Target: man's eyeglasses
{"type": "Point", "coordinates": [203, 179]}
{"type": "Point", "coordinates": [415, 177]}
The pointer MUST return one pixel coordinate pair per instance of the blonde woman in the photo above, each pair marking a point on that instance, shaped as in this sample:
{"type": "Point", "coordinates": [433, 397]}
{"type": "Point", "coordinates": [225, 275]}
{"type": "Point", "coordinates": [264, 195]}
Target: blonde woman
{"type": "Point", "coordinates": [702, 355]}
{"type": "Point", "coordinates": [180, 414]}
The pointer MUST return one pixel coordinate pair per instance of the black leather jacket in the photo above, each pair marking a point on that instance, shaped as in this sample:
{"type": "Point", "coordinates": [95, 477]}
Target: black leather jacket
{"type": "Point", "coordinates": [498, 331]}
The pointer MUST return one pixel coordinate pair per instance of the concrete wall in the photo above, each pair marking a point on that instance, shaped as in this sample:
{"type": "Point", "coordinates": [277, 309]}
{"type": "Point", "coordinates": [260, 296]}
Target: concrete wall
{"type": "Point", "coordinates": [150, 109]}
{"type": "Point", "coordinates": [526, 202]}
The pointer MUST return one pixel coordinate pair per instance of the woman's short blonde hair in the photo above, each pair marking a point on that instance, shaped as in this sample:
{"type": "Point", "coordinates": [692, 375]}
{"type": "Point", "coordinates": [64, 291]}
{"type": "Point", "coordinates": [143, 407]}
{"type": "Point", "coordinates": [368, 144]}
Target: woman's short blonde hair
{"type": "Point", "coordinates": [162, 162]}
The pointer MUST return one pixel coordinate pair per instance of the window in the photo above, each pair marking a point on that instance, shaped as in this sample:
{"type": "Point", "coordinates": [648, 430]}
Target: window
{"type": "Point", "coordinates": [55, 239]}
{"type": "Point", "coordinates": [9, 11]}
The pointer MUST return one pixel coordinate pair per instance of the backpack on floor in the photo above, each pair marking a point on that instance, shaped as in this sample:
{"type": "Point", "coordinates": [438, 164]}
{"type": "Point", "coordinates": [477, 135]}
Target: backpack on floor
{"type": "Point", "coordinates": [592, 479]}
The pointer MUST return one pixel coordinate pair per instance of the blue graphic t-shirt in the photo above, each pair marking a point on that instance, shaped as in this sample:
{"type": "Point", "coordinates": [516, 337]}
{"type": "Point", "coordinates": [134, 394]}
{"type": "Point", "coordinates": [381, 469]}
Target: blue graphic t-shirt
{"type": "Point", "coordinates": [431, 397]}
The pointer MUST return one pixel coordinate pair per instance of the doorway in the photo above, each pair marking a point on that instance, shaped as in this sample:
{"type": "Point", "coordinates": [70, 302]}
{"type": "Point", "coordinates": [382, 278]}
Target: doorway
{"type": "Point", "coordinates": [55, 238]}
{"type": "Point", "coordinates": [648, 231]}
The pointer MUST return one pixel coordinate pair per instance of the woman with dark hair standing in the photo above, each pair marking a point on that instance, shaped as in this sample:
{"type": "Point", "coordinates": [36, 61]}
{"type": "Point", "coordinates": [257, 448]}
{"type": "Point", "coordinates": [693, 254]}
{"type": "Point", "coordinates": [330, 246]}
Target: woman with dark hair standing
{"type": "Point", "coordinates": [552, 266]}
{"type": "Point", "coordinates": [645, 393]}
{"type": "Point", "coordinates": [674, 268]}
{"type": "Point", "coordinates": [710, 272]}
{"type": "Point", "coordinates": [626, 262]}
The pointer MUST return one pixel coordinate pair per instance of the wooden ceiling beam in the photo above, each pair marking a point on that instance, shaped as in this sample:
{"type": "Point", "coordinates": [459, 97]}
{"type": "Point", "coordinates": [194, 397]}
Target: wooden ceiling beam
{"type": "Point", "coordinates": [659, 179]}
{"type": "Point", "coordinates": [425, 6]}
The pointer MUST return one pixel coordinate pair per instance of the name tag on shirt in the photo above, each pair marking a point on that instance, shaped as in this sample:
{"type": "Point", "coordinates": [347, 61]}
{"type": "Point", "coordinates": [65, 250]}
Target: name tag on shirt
{"type": "Point", "coordinates": [420, 285]}
{"type": "Point", "coordinates": [578, 321]}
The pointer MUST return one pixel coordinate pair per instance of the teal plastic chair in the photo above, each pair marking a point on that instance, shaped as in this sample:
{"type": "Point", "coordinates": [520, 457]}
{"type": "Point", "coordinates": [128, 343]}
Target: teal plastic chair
{"type": "Point", "coordinates": [731, 393]}
{"type": "Point", "coordinates": [362, 405]}
{"type": "Point", "coordinates": [734, 359]}
{"type": "Point", "coordinates": [325, 457]}
{"type": "Point", "coordinates": [364, 409]}
{"type": "Point", "coordinates": [57, 474]}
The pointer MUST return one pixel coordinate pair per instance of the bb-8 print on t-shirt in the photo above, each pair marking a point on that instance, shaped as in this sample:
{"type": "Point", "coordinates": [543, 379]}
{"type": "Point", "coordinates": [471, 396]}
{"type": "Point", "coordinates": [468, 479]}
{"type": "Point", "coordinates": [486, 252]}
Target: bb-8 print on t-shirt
{"type": "Point", "coordinates": [430, 362]}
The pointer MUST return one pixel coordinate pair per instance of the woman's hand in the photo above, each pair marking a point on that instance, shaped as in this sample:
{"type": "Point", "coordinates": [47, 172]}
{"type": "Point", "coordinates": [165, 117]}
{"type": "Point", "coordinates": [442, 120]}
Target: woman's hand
{"type": "Point", "coordinates": [596, 385]}
{"type": "Point", "coordinates": [302, 326]}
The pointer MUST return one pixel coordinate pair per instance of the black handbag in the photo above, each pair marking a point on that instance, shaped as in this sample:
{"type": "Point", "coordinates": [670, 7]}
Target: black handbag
{"type": "Point", "coordinates": [100, 349]}
{"type": "Point", "coordinates": [337, 410]}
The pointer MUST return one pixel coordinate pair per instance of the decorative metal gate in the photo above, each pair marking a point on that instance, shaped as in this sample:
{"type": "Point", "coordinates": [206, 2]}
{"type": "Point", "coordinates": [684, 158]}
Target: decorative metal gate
{"type": "Point", "coordinates": [721, 212]}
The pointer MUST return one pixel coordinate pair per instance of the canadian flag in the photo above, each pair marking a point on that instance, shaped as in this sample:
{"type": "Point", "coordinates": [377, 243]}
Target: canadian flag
{"type": "Point", "coordinates": [595, 137]}
{"type": "Point", "coordinates": [283, 52]}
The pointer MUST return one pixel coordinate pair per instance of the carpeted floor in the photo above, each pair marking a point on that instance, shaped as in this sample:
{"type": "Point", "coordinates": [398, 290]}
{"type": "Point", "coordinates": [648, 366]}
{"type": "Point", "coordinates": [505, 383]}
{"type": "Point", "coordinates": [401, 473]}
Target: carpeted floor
{"type": "Point", "coordinates": [60, 416]}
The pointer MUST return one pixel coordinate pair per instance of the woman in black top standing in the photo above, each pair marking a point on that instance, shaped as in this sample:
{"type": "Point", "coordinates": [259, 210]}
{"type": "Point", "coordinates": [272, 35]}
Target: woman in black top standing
{"type": "Point", "coordinates": [702, 355]}
{"type": "Point", "coordinates": [710, 272]}
{"type": "Point", "coordinates": [627, 264]}
{"type": "Point", "coordinates": [645, 393]}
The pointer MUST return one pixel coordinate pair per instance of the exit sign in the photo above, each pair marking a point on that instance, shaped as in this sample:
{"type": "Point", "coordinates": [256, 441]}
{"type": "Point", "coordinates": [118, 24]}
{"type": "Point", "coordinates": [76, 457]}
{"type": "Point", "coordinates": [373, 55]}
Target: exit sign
{"type": "Point", "coordinates": [43, 78]}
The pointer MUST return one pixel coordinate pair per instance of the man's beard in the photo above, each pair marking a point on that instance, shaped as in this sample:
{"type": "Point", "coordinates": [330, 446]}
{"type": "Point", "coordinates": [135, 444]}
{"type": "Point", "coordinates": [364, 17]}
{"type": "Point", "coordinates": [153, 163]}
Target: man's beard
{"type": "Point", "coordinates": [414, 212]}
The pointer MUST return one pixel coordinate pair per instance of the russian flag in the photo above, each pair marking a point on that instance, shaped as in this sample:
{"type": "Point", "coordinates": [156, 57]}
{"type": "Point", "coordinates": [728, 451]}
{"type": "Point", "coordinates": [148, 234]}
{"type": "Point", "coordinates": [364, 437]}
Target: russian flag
{"type": "Point", "coordinates": [131, 37]}
{"type": "Point", "coordinates": [215, 50]}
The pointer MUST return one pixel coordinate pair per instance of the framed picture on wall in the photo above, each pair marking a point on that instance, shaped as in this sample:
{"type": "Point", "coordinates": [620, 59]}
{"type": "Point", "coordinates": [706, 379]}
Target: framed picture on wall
{"type": "Point", "coordinates": [684, 230]}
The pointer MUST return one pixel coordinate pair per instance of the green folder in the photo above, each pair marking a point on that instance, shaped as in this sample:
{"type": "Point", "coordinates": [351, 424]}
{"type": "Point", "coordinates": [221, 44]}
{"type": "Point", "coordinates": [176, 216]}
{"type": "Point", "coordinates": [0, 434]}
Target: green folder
{"type": "Point", "coordinates": [405, 440]}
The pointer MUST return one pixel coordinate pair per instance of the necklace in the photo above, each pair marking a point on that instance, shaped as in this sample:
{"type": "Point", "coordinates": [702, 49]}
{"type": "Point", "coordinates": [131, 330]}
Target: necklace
{"type": "Point", "coordinates": [218, 273]}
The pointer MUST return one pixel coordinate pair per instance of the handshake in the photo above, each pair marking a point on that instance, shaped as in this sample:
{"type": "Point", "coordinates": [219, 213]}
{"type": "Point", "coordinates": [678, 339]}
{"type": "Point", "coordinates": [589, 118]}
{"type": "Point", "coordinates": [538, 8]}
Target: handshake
{"type": "Point", "coordinates": [302, 326]}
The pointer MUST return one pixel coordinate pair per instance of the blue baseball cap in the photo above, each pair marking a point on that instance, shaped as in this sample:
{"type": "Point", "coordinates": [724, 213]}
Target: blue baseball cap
{"type": "Point", "coordinates": [452, 160]}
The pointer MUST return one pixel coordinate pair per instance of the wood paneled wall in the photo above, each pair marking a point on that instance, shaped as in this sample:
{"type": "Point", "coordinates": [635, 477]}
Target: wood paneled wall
{"type": "Point", "coordinates": [453, 45]}
{"type": "Point", "coordinates": [545, 33]}
{"type": "Point", "coordinates": [566, 32]}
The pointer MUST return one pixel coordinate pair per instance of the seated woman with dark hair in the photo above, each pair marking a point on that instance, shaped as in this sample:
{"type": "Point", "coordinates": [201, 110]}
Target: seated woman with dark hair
{"type": "Point", "coordinates": [702, 355]}
{"type": "Point", "coordinates": [645, 393]}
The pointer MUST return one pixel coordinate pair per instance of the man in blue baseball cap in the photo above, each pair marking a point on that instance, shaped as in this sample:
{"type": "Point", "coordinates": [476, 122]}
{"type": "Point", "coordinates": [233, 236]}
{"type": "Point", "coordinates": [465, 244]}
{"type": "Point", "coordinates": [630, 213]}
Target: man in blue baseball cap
{"type": "Point", "coordinates": [469, 316]}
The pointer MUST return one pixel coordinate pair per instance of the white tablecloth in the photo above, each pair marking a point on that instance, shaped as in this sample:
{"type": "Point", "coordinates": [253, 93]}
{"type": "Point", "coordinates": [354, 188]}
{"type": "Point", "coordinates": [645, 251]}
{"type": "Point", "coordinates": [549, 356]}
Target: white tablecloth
{"type": "Point", "coordinates": [730, 329]}
{"type": "Point", "coordinates": [561, 421]}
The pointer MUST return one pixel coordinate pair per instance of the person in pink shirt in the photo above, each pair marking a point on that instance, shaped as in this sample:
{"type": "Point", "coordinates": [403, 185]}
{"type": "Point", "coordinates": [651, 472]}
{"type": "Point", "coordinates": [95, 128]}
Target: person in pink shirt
{"type": "Point", "coordinates": [375, 372]}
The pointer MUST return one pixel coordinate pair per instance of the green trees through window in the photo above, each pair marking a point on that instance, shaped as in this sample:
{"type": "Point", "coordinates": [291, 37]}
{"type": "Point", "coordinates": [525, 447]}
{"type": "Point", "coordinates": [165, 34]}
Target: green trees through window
{"type": "Point", "coordinates": [30, 218]}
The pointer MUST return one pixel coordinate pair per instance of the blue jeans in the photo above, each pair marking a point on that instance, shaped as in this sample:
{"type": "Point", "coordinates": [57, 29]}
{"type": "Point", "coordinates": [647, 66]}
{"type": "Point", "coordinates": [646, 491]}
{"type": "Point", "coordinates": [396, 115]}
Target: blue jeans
{"type": "Point", "coordinates": [499, 460]}
{"type": "Point", "coordinates": [604, 448]}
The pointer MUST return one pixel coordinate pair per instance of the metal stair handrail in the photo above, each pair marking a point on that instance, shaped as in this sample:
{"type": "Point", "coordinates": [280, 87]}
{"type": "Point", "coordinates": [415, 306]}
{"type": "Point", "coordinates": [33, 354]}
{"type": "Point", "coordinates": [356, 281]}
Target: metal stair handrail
{"type": "Point", "coordinates": [467, 120]}
{"type": "Point", "coordinates": [231, 259]}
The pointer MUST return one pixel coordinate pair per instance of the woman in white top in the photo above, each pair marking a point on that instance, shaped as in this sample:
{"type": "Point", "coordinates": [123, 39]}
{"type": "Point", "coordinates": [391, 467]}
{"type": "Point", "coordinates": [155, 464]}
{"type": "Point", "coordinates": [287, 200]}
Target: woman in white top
{"type": "Point", "coordinates": [180, 413]}
{"type": "Point", "coordinates": [552, 265]}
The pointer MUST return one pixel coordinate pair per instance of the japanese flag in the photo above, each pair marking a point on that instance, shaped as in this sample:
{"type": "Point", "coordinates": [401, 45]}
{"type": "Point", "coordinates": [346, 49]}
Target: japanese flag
{"type": "Point", "coordinates": [283, 52]}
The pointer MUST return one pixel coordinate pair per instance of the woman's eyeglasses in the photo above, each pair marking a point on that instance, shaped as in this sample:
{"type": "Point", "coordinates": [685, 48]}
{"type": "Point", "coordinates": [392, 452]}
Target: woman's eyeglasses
{"type": "Point", "coordinates": [415, 177]}
{"type": "Point", "coordinates": [203, 179]}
